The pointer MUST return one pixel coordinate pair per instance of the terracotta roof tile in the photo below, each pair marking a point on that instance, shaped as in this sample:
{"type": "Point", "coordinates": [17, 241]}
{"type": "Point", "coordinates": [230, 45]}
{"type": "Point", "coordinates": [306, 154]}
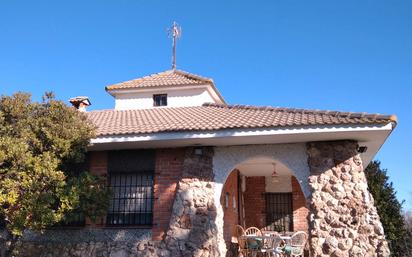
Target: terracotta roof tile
{"type": "Point", "coordinates": [166, 78]}
{"type": "Point", "coordinates": [211, 117]}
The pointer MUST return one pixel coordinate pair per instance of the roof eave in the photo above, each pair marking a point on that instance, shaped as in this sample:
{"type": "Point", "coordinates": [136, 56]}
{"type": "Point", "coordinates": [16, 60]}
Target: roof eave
{"type": "Point", "coordinates": [371, 135]}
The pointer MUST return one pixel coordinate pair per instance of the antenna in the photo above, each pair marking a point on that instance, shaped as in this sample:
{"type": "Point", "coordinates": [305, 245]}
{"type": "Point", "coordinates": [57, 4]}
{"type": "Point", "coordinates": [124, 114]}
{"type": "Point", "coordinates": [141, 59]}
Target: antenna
{"type": "Point", "coordinates": [174, 32]}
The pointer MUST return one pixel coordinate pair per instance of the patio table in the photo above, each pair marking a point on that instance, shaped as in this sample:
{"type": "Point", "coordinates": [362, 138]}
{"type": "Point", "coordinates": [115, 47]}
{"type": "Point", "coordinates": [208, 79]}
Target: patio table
{"type": "Point", "coordinates": [261, 239]}
{"type": "Point", "coordinates": [285, 237]}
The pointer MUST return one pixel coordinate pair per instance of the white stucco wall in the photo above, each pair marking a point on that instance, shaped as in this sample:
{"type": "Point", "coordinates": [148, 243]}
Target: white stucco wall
{"type": "Point", "coordinates": [175, 98]}
{"type": "Point", "coordinates": [226, 158]}
{"type": "Point", "coordinates": [293, 156]}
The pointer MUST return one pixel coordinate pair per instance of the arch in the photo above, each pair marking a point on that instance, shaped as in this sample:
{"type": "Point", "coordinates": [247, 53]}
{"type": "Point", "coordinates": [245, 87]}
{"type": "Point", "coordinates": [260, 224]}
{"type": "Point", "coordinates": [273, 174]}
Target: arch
{"type": "Point", "coordinates": [293, 156]}
{"type": "Point", "coordinates": [227, 158]}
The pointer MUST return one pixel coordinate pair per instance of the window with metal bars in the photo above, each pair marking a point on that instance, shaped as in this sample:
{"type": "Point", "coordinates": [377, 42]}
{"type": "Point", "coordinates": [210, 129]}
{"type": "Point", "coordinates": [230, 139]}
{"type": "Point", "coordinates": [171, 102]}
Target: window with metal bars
{"type": "Point", "coordinates": [279, 212]}
{"type": "Point", "coordinates": [132, 201]}
{"type": "Point", "coordinates": [131, 181]}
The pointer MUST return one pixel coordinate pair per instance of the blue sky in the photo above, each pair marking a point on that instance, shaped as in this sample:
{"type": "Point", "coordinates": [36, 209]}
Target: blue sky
{"type": "Point", "coordinates": [336, 55]}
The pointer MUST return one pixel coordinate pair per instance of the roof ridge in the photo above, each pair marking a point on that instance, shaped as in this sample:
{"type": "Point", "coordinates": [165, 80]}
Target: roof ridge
{"type": "Point", "coordinates": [195, 76]}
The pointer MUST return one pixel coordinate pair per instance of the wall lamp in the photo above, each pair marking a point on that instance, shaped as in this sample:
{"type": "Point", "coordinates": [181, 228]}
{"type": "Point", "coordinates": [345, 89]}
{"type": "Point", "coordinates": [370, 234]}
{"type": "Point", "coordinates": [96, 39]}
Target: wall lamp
{"type": "Point", "coordinates": [362, 149]}
{"type": "Point", "coordinates": [198, 151]}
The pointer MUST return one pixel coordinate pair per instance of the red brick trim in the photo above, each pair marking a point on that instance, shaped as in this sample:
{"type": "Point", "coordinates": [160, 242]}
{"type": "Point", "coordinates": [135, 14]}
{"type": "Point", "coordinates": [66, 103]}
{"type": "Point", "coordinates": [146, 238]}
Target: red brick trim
{"type": "Point", "coordinates": [255, 205]}
{"type": "Point", "coordinates": [168, 171]}
{"type": "Point", "coordinates": [98, 167]}
{"type": "Point", "coordinates": [300, 211]}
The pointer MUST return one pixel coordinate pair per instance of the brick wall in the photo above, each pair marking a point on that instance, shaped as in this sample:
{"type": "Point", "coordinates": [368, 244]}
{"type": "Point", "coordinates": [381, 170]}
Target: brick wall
{"type": "Point", "coordinates": [231, 214]}
{"type": "Point", "coordinates": [168, 171]}
{"type": "Point", "coordinates": [255, 202]}
{"type": "Point", "coordinates": [300, 211]}
{"type": "Point", "coordinates": [97, 166]}
{"type": "Point", "coordinates": [98, 163]}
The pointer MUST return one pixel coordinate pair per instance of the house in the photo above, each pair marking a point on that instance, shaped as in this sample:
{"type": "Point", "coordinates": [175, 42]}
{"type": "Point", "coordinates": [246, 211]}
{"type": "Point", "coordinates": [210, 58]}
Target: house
{"type": "Point", "coordinates": [185, 167]}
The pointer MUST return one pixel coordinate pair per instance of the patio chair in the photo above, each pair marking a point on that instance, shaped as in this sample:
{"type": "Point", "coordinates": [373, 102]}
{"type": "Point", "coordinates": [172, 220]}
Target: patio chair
{"type": "Point", "coordinates": [273, 245]}
{"type": "Point", "coordinates": [253, 244]}
{"type": "Point", "coordinates": [296, 246]}
{"type": "Point", "coordinates": [253, 231]}
{"type": "Point", "coordinates": [239, 232]}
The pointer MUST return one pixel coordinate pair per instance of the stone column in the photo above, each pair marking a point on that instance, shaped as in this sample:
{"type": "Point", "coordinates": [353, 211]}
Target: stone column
{"type": "Point", "coordinates": [193, 230]}
{"type": "Point", "coordinates": [343, 218]}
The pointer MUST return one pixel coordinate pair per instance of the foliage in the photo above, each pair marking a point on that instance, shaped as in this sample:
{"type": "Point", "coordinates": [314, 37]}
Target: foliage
{"type": "Point", "coordinates": [408, 239]}
{"type": "Point", "coordinates": [42, 146]}
{"type": "Point", "coordinates": [388, 206]}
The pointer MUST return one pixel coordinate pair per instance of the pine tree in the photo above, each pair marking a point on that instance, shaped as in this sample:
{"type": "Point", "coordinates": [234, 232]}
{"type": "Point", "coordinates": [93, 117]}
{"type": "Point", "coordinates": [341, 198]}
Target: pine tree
{"type": "Point", "coordinates": [389, 208]}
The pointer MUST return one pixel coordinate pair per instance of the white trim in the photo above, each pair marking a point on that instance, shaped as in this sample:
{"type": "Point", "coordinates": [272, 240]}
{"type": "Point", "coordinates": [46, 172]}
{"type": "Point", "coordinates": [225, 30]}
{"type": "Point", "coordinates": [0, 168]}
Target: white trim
{"type": "Point", "coordinates": [225, 133]}
{"type": "Point", "coordinates": [211, 90]}
{"type": "Point", "coordinates": [155, 88]}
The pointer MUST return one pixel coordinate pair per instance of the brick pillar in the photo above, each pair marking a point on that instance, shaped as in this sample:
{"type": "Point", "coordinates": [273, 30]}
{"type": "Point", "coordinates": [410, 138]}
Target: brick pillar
{"type": "Point", "coordinates": [300, 211]}
{"type": "Point", "coordinates": [192, 228]}
{"type": "Point", "coordinates": [168, 171]}
{"type": "Point", "coordinates": [255, 205]}
{"type": "Point", "coordinates": [98, 167]}
{"type": "Point", "coordinates": [343, 219]}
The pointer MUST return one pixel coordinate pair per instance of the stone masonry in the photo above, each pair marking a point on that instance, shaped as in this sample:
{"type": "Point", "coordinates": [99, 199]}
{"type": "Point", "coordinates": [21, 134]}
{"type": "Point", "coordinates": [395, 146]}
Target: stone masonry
{"type": "Point", "coordinates": [193, 230]}
{"type": "Point", "coordinates": [343, 219]}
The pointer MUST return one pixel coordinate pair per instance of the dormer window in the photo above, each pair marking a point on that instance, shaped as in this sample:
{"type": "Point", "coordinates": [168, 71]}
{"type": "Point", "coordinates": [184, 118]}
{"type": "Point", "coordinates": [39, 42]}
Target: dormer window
{"type": "Point", "coordinates": [160, 100]}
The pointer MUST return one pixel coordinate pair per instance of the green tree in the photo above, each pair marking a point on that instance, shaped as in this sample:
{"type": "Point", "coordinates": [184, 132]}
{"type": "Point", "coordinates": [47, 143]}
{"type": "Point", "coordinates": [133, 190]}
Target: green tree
{"type": "Point", "coordinates": [388, 206]}
{"type": "Point", "coordinates": [42, 148]}
{"type": "Point", "coordinates": [408, 240]}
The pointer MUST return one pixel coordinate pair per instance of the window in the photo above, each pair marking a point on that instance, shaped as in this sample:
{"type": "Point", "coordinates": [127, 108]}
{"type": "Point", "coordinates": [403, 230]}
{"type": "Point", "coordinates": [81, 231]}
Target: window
{"type": "Point", "coordinates": [234, 202]}
{"type": "Point", "coordinates": [279, 212]}
{"type": "Point", "coordinates": [227, 200]}
{"type": "Point", "coordinates": [132, 199]}
{"type": "Point", "coordinates": [131, 181]}
{"type": "Point", "coordinates": [160, 100]}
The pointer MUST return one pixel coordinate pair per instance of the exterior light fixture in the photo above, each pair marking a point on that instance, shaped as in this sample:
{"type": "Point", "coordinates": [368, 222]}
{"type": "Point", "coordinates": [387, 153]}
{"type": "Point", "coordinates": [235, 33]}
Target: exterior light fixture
{"type": "Point", "coordinates": [362, 149]}
{"type": "Point", "coordinates": [275, 175]}
{"type": "Point", "coordinates": [198, 151]}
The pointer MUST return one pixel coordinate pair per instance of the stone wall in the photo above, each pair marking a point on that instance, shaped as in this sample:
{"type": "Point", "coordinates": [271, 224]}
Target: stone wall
{"type": "Point", "coordinates": [343, 219]}
{"type": "Point", "coordinates": [88, 242]}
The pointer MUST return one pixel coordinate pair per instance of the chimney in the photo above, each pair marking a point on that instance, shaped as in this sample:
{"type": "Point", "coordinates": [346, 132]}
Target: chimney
{"type": "Point", "coordinates": [80, 102]}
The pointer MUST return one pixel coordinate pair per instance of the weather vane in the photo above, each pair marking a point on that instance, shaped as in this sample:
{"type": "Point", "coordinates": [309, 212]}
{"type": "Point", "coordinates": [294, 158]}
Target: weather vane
{"type": "Point", "coordinates": [174, 32]}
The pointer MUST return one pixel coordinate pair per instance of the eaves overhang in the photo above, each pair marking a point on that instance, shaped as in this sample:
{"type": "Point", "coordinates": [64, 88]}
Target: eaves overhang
{"type": "Point", "coordinates": [372, 136]}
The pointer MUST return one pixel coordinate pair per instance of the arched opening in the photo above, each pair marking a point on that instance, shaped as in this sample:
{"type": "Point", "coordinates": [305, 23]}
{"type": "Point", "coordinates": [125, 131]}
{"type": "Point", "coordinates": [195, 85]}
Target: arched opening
{"type": "Point", "coordinates": [262, 192]}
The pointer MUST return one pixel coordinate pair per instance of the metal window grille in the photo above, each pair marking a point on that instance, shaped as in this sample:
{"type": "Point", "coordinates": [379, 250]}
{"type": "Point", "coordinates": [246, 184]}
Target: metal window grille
{"type": "Point", "coordinates": [279, 212]}
{"type": "Point", "coordinates": [132, 201]}
{"type": "Point", "coordinates": [160, 100]}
